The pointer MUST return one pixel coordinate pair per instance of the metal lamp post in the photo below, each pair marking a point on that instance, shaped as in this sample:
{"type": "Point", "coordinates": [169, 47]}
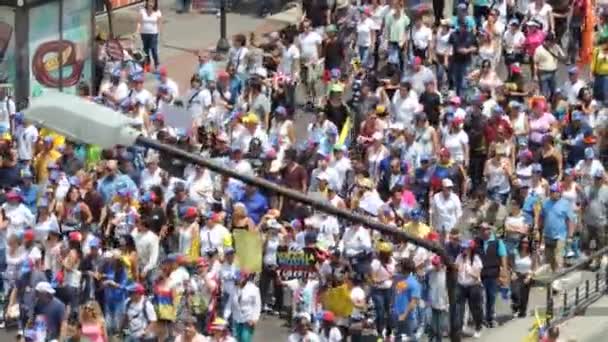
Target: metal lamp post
{"type": "Point", "coordinates": [222, 44]}
{"type": "Point", "coordinates": [82, 120]}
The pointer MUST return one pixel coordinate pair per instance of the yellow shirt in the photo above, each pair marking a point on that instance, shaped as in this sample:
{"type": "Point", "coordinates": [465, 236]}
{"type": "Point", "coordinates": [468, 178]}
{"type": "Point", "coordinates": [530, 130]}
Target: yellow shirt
{"type": "Point", "coordinates": [58, 140]}
{"type": "Point", "coordinates": [41, 163]}
{"type": "Point", "coordinates": [417, 229]}
{"type": "Point", "coordinates": [599, 62]}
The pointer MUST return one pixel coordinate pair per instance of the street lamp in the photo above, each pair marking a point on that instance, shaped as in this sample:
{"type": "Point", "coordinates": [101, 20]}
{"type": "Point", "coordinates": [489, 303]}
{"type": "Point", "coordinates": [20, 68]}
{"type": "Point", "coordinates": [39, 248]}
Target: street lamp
{"type": "Point", "coordinates": [222, 44]}
{"type": "Point", "coordinates": [85, 121]}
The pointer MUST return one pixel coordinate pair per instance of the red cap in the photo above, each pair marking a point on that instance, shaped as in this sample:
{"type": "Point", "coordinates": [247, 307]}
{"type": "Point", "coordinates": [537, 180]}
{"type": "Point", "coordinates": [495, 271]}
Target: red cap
{"type": "Point", "coordinates": [163, 71]}
{"type": "Point", "coordinates": [13, 195]}
{"type": "Point", "coordinates": [444, 152]}
{"type": "Point", "coordinates": [215, 217]}
{"type": "Point", "coordinates": [432, 236]}
{"type": "Point", "coordinates": [28, 235]}
{"type": "Point", "coordinates": [223, 74]}
{"type": "Point", "coordinates": [457, 121]}
{"type": "Point", "coordinates": [417, 61]}
{"type": "Point", "coordinates": [328, 316]}
{"type": "Point", "coordinates": [75, 236]}
{"type": "Point", "coordinates": [190, 212]}
{"type": "Point", "coordinates": [515, 69]}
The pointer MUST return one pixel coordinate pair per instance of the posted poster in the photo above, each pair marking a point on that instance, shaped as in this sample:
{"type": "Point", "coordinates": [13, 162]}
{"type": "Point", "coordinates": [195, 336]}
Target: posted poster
{"type": "Point", "coordinates": [296, 264]}
{"type": "Point", "coordinates": [248, 246]}
{"type": "Point", "coordinates": [60, 61]}
{"type": "Point", "coordinates": [7, 45]}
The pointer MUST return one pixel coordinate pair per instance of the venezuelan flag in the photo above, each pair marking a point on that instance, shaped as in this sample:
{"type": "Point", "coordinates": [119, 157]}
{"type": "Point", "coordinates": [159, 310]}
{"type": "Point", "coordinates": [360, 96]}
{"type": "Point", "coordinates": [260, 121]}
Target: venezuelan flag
{"type": "Point", "coordinates": [165, 305]}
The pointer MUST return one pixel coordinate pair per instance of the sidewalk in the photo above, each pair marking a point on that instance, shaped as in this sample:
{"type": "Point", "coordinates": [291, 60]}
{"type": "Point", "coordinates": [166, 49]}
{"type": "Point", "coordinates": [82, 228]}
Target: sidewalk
{"type": "Point", "coordinates": [183, 35]}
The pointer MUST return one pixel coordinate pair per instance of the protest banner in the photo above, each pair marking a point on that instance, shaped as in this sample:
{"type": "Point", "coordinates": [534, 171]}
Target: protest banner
{"type": "Point", "coordinates": [296, 264]}
{"type": "Point", "coordinates": [248, 246]}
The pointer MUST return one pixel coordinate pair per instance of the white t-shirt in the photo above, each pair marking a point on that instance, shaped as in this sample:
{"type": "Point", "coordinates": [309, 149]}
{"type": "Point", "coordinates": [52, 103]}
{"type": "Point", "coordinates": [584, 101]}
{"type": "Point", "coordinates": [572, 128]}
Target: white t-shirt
{"type": "Point", "coordinates": [454, 143]}
{"type": "Point", "coordinates": [382, 275]}
{"type": "Point", "coordinates": [290, 56]}
{"type": "Point", "coordinates": [465, 268]}
{"type": "Point", "coordinates": [513, 42]}
{"type": "Point", "coordinates": [173, 90]}
{"type": "Point", "coordinates": [198, 101]}
{"type": "Point", "coordinates": [541, 15]}
{"type": "Point", "coordinates": [119, 92]}
{"type": "Point", "coordinates": [7, 108]}
{"type": "Point", "coordinates": [26, 141]}
{"type": "Point", "coordinates": [149, 23]}
{"type": "Point", "coordinates": [364, 32]}
{"type": "Point", "coordinates": [309, 43]}
{"type": "Point", "coordinates": [422, 37]}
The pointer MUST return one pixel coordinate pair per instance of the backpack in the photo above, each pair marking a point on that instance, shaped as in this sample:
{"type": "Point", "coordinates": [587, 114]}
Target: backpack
{"type": "Point", "coordinates": [145, 312]}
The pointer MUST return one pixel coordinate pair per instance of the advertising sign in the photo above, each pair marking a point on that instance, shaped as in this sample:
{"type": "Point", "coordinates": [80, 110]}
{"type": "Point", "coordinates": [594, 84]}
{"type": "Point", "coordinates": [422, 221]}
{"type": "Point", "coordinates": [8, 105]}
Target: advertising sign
{"type": "Point", "coordinates": [7, 45]}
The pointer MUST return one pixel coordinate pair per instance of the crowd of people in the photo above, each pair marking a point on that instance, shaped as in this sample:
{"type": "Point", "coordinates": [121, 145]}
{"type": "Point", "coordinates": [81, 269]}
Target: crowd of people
{"type": "Point", "coordinates": [458, 130]}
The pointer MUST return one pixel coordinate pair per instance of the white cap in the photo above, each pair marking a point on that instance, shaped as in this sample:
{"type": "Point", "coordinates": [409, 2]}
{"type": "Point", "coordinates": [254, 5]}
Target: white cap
{"type": "Point", "coordinates": [377, 136]}
{"type": "Point", "coordinates": [397, 125]}
{"type": "Point", "coordinates": [45, 287]}
{"type": "Point", "coordinates": [447, 183]}
{"type": "Point", "coordinates": [323, 176]}
{"type": "Point", "coordinates": [35, 254]}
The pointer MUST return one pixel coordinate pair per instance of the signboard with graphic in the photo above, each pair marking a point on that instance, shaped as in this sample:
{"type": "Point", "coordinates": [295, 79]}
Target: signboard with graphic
{"type": "Point", "coordinates": [296, 264]}
{"type": "Point", "coordinates": [7, 45]}
{"type": "Point", "coordinates": [60, 57]}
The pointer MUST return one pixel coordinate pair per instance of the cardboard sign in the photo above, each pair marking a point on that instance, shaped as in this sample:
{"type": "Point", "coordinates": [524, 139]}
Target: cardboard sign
{"type": "Point", "coordinates": [177, 117]}
{"type": "Point", "coordinates": [249, 250]}
{"type": "Point", "coordinates": [296, 264]}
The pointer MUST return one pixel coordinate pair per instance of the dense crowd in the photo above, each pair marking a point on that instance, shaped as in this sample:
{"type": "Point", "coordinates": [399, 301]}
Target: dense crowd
{"type": "Point", "coordinates": [461, 130]}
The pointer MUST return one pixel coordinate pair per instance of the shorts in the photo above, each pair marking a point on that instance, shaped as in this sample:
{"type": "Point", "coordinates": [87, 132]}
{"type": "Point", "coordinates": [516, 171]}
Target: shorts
{"type": "Point", "coordinates": [554, 251]}
{"type": "Point", "coordinates": [594, 233]}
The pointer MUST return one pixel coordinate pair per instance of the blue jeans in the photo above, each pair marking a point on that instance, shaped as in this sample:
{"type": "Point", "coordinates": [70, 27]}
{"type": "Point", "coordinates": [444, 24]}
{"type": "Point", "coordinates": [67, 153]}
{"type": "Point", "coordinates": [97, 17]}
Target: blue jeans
{"type": "Point", "coordinates": [150, 45]}
{"type": "Point", "coordinates": [113, 315]}
{"type": "Point", "coordinates": [457, 73]}
{"type": "Point", "coordinates": [439, 324]}
{"type": "Point", "coordinates": [490, 286]}
{"type": "Point", "coordinates": [363, 55]}
{"type": "Point", "coordinates": [382, 304]}
{"type": "Point", "coordinates": [600, 87]}
{"type": "Point", "coordinates": [547, 83]}
{"type": "Point", "coordinates": [407, 327]}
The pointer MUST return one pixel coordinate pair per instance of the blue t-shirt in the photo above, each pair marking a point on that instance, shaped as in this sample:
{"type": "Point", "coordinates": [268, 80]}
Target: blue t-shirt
{"type": "Point", "coordinates": [51, 315]}
{"type": "Point", "coordinates": [528, 207]}
{"type": "Point", "coordinates": [207, 72]}
{"type": "Point", "coordinates": [405, 289]}
{"type": "Point", "coordinates": [556, 215]}
{"type": "Point", "coordinates": [256, 204]}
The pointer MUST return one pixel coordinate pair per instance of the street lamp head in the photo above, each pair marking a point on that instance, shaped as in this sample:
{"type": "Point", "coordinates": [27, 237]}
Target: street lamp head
{"type": "Point", "coordinates": [81, 120]}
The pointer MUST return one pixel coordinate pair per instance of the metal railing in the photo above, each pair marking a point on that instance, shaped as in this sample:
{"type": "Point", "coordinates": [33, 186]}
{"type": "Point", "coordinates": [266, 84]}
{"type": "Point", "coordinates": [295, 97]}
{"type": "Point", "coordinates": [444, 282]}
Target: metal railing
{"type": "Point", "coordinates": [573, 301]}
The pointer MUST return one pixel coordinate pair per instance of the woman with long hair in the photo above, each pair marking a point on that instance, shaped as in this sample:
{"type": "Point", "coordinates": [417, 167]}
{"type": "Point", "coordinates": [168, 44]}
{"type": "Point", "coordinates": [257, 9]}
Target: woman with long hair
{"type": "Point", "coordinates": [523, 266]}
{"type": "Point", "coordinates": [550, 160]}
{"type": "Point", "coordinates": [148, 26]}
{"type": "Point", "coordinates": [93, 326]}
{"type": "Point", "coordinates": [240, 218]}
{"type": "Point", "coordinates": [72, 212]}
{"type": "Point", "coordinates": [469, 267]}
{"type": "Point", "coordinates": [46, 221]}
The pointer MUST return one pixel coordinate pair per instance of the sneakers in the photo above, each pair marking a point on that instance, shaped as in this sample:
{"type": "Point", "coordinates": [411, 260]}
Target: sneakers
{"type": "Point", "coordinates": [477, 334]}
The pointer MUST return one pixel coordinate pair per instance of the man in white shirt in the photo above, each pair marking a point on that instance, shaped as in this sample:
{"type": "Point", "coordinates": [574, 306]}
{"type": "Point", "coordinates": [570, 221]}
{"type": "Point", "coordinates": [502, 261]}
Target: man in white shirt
{"type": "Point", "coordinates": [147, 244]}
{"type": "Point", "coordinates": [404, 104]}
{"type": "Point", "coordinates": [245, 305]}
{"type": "Point", "coordinates": [114, 91]}
{"type": "Point", "coordinates": [168, 90]}
{"type": "Point", "coordinates": [150, 176]}
{"type": "Point", "coordinates": [290, 61]}
{"type": "Point", "coordinates": [7, 108]}
{"type": "Point", "coordinates": [418, 75]}
{"type": "Point", "coordinates": [573, 85]}
{"type": "Point", "coordinates": [446, 208]}
{"type": "Point", "coordinates": [27, 136]}
{"type": "Point", "coordinates": [356, 239]}
{"type": "Point", "coordinates": [213, 234]}
{"type": "Point", "coordinates": [137, 92]}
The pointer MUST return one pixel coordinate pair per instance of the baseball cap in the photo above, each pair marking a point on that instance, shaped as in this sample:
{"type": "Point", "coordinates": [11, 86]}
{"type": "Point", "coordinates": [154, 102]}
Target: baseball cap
{"type": "Point", "coordinates": [573, 70]}
{"type": "Point", "coordinates": [149, 196]}
{"type": "Point", "coordinates": [589, 153]}
{"type": "Point", "coordinates": [555, 187]}
{"type": "Point", "coordinates": [447, 183]}
{"type": "Point", "coordinates": [45, 287]}
{"type": "Point", "coordinates": [136, 288]}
